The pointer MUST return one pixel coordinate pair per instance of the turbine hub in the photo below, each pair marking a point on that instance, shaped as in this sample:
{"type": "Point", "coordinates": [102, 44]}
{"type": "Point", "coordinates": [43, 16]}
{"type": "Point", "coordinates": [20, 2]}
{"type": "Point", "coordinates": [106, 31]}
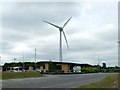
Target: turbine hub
{"type": "Point", "coordinates": [61, 29]}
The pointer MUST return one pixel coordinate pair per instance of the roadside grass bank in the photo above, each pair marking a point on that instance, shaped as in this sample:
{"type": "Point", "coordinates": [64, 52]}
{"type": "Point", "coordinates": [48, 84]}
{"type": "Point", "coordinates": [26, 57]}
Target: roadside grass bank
{"type": "Point", "coordinates": [0, 75]}
{"type": "Point", "coordinates": [17, 75]}
{"type": "Point", "coordinates": [110, 82]}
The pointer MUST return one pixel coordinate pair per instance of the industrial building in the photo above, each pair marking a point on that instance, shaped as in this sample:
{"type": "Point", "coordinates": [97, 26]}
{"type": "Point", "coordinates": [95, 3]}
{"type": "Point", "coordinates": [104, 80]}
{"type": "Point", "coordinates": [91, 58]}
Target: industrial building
{"type": "Point", "coordinates": [45, 66]}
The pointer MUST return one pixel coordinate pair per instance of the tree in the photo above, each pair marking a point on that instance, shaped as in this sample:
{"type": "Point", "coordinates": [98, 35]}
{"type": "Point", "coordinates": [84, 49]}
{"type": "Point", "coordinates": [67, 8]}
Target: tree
{"type": "Point", "coordinates": [89, 69]}
{"type": "Point", "coordinates": [52, 66]}
{"type": "Point", "coordinates": [104, 65]}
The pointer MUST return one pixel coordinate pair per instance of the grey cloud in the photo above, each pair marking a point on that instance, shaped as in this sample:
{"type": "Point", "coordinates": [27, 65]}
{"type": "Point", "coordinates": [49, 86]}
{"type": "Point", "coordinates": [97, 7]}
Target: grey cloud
{"type": "Point", "coordinates": [23, 24]}
{"type": "Point", "coordinates": [14, 36]}
{"type": "Point", "coordinates": [25, 19]}
{"type": "Point", "coordinates": [30, 15]}
{"type": "Point", "coordinates": [7, 45]}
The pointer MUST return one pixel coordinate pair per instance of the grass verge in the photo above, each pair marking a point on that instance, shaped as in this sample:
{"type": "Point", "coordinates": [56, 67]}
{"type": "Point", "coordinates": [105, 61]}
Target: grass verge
{"type": "Point", "coordinates": [17, 75]}
{"type": "Point", "coordinates": [108, 82]}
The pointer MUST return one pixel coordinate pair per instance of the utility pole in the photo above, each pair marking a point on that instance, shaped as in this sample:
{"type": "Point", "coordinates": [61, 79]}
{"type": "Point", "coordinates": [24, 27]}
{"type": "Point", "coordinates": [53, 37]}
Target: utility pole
{"type": "Point", "coordinates": [14, 61]}
{"type": "Point", "coordinates": [35, 60]}
{"type": "Point", "coordinates": [23, 61]}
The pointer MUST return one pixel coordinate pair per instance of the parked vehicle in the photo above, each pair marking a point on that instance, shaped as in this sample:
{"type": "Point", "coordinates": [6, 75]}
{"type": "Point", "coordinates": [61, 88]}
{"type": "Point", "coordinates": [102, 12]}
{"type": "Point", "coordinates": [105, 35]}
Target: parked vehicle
{"type": "Point", "coordinates": [15, 69]}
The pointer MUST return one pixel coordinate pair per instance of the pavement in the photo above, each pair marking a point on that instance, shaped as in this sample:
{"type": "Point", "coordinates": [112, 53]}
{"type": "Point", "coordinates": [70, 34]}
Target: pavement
{"type": "Point", "coordinates": [54, 81]}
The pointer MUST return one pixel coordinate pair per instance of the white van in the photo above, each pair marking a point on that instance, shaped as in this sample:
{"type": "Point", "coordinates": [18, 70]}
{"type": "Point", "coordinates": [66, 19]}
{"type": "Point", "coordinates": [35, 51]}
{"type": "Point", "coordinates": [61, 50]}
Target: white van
{"type": "Point", "coordinates": [15, 69]}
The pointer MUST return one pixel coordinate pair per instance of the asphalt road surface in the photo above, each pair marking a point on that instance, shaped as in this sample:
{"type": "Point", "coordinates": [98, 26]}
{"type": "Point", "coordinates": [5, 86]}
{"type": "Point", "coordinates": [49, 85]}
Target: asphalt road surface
{"type": "Point", "coordinates": [55, 81]}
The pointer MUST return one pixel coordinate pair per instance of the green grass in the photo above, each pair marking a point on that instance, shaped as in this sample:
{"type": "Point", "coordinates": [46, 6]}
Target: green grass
{"type": "Point", "coordinates": [108, 82]}
{"type": "Point", "coordinates": [17, 75]}
{"type": "Point", "coordinates": [0, 75]}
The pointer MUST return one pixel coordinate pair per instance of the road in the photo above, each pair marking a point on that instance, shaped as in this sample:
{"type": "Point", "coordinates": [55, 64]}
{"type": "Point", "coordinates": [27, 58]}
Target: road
{"type": "Point", "coordinates": [54, 81]}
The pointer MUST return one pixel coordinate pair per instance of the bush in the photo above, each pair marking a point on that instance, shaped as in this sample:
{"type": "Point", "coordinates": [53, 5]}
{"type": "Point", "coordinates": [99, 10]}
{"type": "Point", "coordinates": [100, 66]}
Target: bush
{"type": "Point", "coordinates": [54, 71]}
{"type": "Point", "coordinates": [89, 70]}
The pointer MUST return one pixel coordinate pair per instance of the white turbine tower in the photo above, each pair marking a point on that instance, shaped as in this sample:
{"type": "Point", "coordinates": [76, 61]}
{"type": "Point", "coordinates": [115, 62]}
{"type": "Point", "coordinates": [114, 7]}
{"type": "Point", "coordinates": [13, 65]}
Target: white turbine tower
{"type": "Point", "coordinates": [61, 31]}
{"type": "Point", "coordinates": [118, 50]}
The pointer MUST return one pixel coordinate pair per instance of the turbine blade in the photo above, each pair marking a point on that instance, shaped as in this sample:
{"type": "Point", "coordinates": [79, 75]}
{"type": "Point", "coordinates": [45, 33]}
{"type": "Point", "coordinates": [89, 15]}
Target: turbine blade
{"type": "Point", "coordinates": [66, 39]}
{"type": "Point", "coordinates": [66, 22]}
{"type": "Point", "coordinates": [51, 24]}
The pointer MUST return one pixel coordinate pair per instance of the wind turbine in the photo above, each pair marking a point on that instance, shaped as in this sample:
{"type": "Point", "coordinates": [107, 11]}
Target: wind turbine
{"type": "Point", "coordinates": [61, 31]}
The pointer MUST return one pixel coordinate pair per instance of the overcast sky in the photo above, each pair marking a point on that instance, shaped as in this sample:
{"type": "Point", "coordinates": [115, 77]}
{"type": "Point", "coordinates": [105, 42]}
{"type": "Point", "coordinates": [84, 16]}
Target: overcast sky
{"type": "Point", "coordinates": [92, 33]}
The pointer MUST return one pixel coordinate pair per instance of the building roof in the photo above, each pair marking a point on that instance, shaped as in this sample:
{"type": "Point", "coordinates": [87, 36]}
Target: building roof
{"type": "Point", "coordinates": [66, 63]}
{"type": "Point", "coordinates": [43, 62]}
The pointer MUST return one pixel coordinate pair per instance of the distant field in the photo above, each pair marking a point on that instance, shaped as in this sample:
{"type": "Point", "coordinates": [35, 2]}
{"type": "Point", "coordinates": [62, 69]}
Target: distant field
{"type": "Point", "coordinates": [108, 82]}
{"type": "Point", "coordinates": [16, 75]}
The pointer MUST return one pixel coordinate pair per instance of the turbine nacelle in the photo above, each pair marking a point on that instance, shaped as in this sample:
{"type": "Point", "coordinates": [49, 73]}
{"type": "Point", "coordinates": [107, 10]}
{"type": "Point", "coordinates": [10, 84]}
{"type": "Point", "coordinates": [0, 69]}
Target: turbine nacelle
{"type": "Point", "coordinates": [60, 29]}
